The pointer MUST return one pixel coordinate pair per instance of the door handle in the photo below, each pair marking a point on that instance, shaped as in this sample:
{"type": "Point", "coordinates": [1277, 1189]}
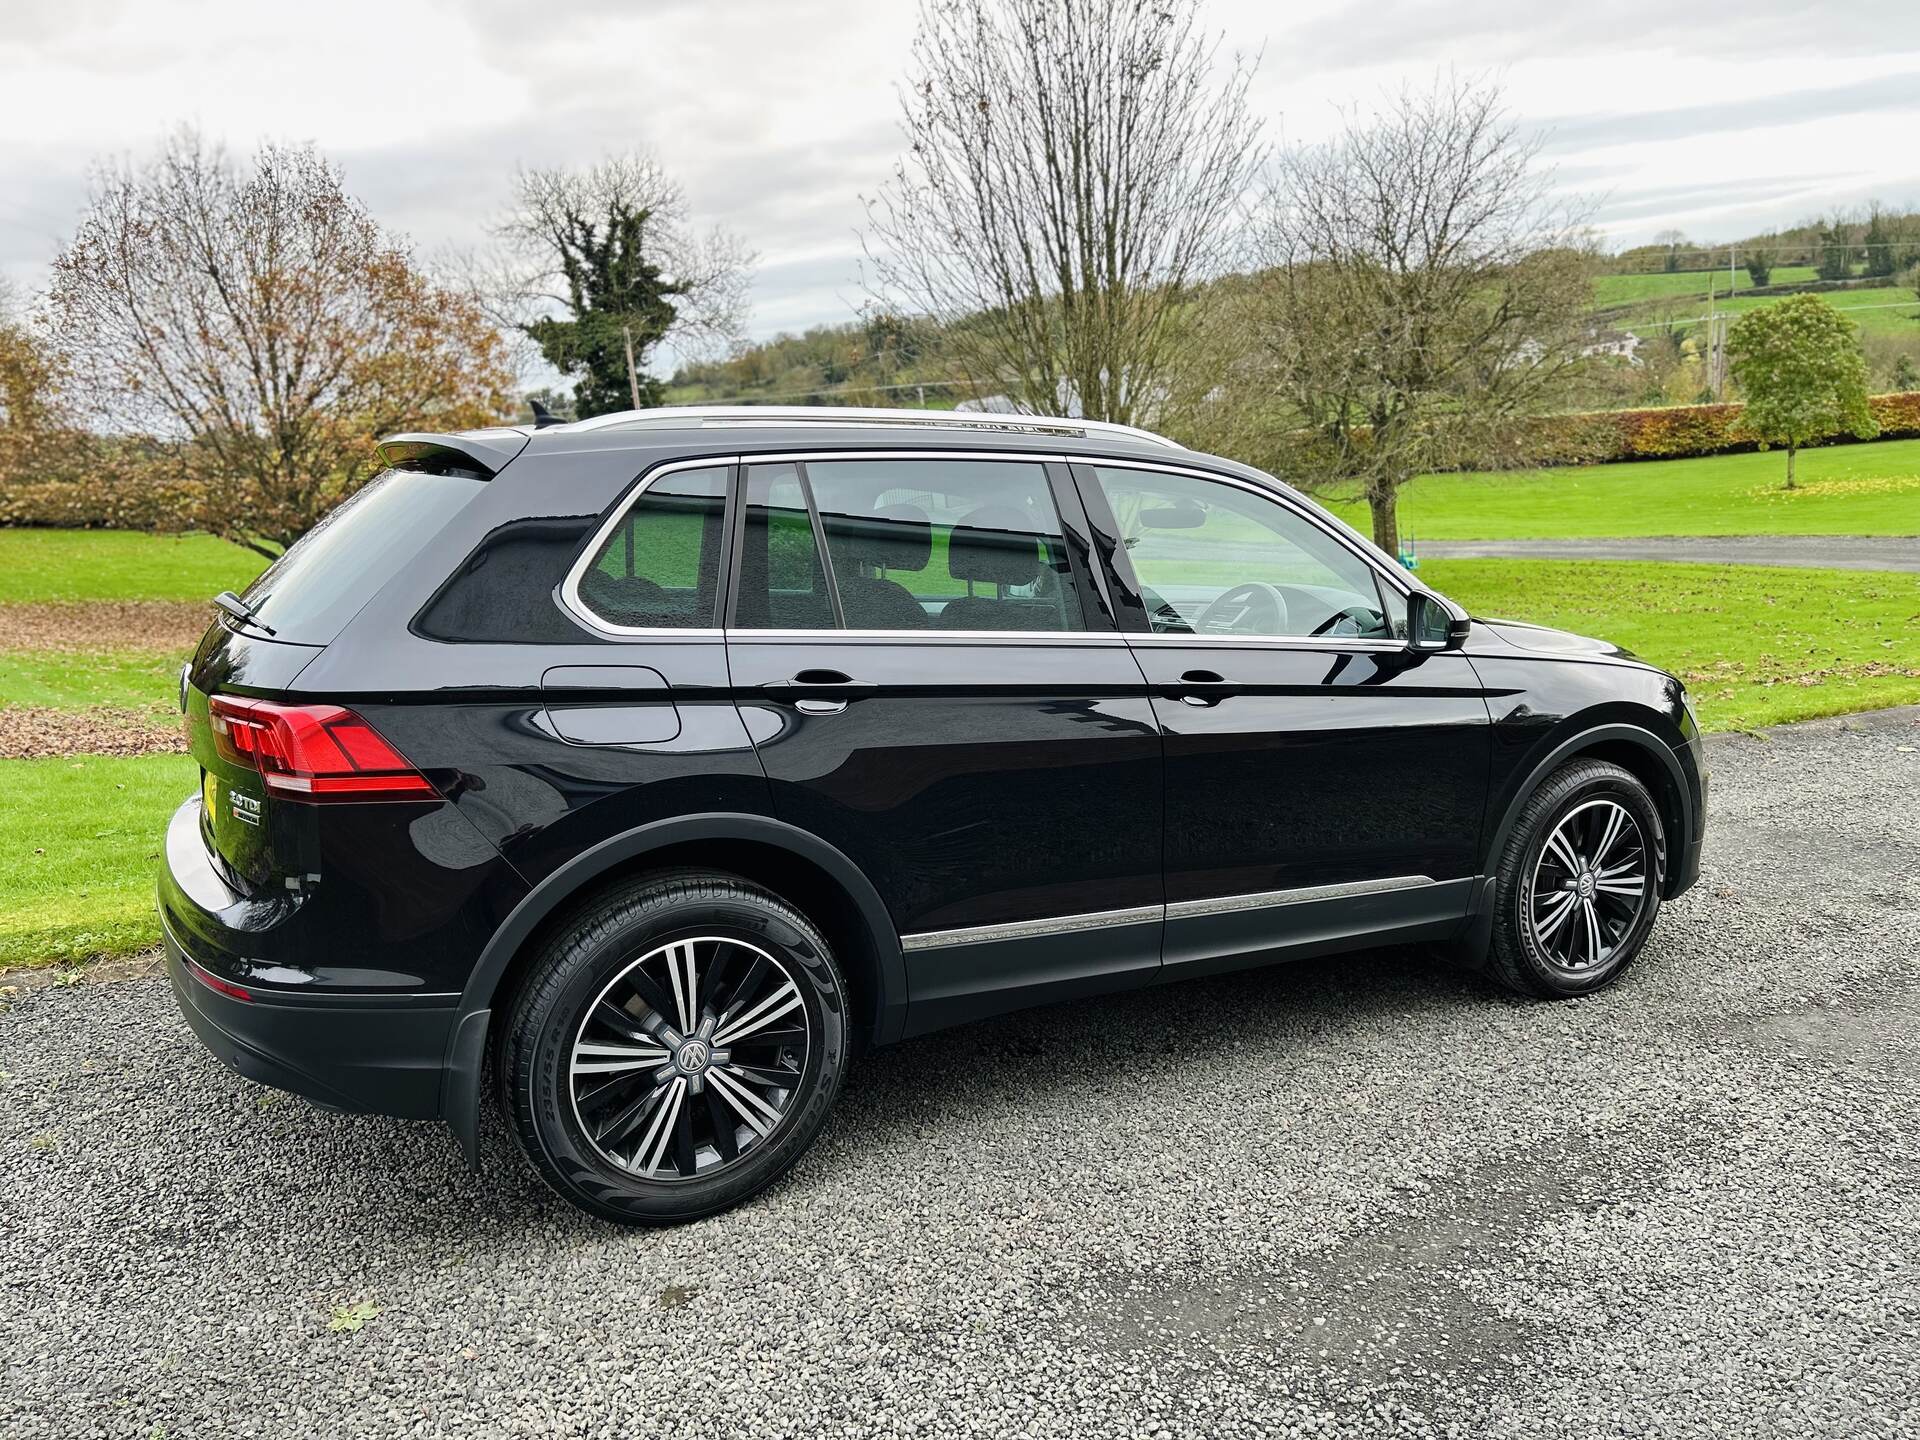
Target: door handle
{"type": "Point", "coordinates": [831, 681]}
{"type": "Point", "coordinates": [1210, 685]}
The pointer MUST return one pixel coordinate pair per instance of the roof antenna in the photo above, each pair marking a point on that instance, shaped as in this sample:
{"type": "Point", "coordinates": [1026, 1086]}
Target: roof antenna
{"type": "Point", "coordinates": [542, 416]}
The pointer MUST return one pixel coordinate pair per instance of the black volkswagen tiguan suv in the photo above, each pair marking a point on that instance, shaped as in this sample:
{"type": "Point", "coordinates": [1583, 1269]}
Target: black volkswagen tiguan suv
{"type": "Point", "coordinates": [650, 767]}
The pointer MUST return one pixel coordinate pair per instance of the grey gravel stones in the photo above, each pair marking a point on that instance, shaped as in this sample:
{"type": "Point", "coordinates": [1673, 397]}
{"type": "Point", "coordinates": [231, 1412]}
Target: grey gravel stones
{"type": "Point", "coordinates": [1359, 1197]}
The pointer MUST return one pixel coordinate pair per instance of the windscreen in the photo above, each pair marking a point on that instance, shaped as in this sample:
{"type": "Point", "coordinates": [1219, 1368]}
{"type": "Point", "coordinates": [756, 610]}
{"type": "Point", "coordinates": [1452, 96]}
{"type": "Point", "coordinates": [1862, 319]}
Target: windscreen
{"type": "Point", "coordinates": [310, 593]}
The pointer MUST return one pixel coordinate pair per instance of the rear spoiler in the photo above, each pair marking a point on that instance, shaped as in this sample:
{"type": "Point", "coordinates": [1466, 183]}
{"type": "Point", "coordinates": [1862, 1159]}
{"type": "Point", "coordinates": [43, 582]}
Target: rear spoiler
{"type": "Point", "coordinates": [480, 454]}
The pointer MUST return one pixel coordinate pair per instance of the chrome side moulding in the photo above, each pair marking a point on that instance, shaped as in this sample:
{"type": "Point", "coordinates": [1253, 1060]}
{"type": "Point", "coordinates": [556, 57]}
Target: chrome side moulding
{"type": "Point", "coordinates": [1179, 910]}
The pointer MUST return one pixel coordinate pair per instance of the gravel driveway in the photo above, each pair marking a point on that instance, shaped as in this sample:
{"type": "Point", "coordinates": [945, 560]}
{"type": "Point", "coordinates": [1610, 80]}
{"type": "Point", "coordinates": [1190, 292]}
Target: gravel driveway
{"type": "Point", "coordinates": [1348, 1198]}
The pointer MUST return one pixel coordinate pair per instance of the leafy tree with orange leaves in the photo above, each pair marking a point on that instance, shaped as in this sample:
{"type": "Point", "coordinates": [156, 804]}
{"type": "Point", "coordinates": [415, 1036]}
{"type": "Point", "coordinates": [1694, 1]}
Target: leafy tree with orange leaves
{"type": "Point", "coordinates": [264, 325]}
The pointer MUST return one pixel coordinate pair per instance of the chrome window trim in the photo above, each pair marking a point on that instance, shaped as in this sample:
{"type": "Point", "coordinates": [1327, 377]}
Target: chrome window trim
{"type": "Point", "coordinates": [1178, 910]}
{"type": "Point", "coordinates": [1335, 529]}
{"type": "Point", "coordinates": [925, 637]}
{"type": "Point", "coordinates": [570, 600]}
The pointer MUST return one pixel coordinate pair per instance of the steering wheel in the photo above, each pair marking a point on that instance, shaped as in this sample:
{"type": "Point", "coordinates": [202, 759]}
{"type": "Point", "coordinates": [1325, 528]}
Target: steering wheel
{"type": "Point", "coordinates": [1255, 608]}
{"type": "Point", "coordinates": [1364, 618]}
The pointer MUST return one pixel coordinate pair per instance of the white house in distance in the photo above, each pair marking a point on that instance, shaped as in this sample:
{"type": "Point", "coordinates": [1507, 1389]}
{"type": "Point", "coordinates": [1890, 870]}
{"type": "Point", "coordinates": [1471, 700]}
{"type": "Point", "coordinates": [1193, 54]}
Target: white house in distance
{"type": "Point", "coordinates": [1623, 343]}
{"type": "Point", "coordinates": [1602, 340]}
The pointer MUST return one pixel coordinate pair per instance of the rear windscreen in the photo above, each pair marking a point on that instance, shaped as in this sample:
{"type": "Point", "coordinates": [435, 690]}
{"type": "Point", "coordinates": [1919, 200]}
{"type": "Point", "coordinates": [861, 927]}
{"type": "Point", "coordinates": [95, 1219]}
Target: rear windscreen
{"type": "Point", "coordinates": [310, 593]}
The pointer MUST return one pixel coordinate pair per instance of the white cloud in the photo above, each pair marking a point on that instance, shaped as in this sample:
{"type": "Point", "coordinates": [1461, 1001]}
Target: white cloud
{"type": "Point", "coordinates": [779, 114]}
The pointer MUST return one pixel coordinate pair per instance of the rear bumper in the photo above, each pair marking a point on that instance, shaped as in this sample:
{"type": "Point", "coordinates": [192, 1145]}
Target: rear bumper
{"type": "Point", "coordinates": [373, 1054]}
{"type": "Point", "coordinates": [269, 986]}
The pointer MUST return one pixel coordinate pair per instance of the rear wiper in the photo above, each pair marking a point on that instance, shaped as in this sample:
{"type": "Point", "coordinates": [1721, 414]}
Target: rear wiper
{"type": "Point", "coordinates": [242, 612]}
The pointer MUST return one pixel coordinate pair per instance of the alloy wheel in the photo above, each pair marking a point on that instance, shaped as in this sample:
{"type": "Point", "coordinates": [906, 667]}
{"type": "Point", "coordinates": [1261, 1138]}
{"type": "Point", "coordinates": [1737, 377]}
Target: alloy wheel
{"type": "Point", "coordinates": [1589, 886]}
{"type": "Point", "coordinates": [689, 1058]}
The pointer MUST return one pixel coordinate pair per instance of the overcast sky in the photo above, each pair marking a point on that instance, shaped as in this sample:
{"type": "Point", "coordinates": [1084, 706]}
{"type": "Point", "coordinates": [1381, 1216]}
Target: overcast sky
{"type": "Point", "coordinates": [1719, 118]}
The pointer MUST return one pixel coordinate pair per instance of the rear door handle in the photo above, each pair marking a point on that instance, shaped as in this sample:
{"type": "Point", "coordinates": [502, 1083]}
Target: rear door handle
{"type": "Point", "coordinates": [817, 692]}
{"type": "Point", "coordinates": [819, 681]}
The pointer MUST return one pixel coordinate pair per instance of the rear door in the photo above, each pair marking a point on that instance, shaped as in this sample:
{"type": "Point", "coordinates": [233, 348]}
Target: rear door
{"type": "Point", "coordinates": [1323, 781]}
{"type": "Point", "coordinates": [933, 681]}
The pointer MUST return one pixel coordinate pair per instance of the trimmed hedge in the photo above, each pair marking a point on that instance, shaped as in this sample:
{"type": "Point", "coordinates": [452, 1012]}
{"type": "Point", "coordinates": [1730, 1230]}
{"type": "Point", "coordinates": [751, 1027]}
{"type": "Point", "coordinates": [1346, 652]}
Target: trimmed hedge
{"type": "Point", "coordinates": [1678, 431]}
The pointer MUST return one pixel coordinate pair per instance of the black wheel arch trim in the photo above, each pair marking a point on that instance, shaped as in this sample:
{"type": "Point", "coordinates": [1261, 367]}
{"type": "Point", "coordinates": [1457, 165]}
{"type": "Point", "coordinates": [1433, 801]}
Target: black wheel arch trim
{"type": "Point", "coordinates": [1572, 744]}
{"type": "Point", "coordinates": [1476, 932]}
{"type": "Point", "coordinates": [467, 1046]}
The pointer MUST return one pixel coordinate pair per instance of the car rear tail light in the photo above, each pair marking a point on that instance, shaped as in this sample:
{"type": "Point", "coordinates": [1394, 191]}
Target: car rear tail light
{"type": "Point", "coordinates": [313, 752]}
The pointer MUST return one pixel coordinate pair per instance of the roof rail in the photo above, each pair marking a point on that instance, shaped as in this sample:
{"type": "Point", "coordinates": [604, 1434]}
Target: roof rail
{"type": "Point", "coordinates": [850, 415]}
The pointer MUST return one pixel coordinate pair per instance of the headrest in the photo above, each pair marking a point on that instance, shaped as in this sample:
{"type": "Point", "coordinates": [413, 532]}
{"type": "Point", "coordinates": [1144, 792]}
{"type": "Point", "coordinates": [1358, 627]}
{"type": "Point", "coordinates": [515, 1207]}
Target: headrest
{"type": "Point", "coordinates": [994, 544]}
{"type": "Point", "coordinates": [895, 537]}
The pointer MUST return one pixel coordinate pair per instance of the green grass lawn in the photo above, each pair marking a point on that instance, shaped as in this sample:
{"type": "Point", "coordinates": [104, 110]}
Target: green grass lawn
{"type": "Point", "coordinates": [1756, 644]}
{"type": "Point", "coordinates": [79, 839]}
{"type": "Point", "coordinates": [39, 565]}
{"type": "Point", "coordinates": [1627, 289]}
{"type": "Point", "coordinates": [1845, 490]}
{"type": "Point", "coordinates": [133, 678]}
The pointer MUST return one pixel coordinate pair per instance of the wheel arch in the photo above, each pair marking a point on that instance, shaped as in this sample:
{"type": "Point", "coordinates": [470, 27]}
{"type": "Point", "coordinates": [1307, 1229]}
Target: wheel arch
{"type": "Point", "coordinates": [1634, 748]}
{"type": "Point", "coordinates": [801, 868]}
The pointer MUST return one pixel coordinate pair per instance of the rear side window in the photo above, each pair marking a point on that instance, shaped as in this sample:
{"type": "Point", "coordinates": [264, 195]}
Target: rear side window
{"type": "Point", "coordinates": [659, 567]}
{"type": "Point", "coordinates": [310, 593]}
{"type": "Point", "coordinates": [912, 544]}
{"type": "Point", "coordinates": [502, 594]}
{"type": "Point", "coordinates": [782, 584]}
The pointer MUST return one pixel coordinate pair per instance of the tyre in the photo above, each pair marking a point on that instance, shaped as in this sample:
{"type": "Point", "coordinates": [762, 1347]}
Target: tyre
{"type": "Point", "coordinates": [1578, 885]}
{"type": "Point", "coordinates": [675, 1048]}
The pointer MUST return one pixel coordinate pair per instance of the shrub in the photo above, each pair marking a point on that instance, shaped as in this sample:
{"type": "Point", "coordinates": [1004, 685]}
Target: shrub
{"type": "Point", "coordinates": [1678, 431]}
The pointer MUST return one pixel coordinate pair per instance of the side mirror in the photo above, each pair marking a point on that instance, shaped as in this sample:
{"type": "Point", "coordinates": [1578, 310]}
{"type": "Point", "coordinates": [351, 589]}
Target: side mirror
{"type": "Point", "coordinates": [1435, 623]}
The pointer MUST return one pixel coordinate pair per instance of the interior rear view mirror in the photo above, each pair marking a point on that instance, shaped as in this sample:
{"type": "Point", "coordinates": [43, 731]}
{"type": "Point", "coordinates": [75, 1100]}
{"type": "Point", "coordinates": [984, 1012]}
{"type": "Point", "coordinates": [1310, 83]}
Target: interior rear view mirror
{"type": "Point", "coordinates": [1182, 514]}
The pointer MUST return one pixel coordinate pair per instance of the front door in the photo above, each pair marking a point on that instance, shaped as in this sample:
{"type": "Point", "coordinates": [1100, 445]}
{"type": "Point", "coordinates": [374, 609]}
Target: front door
{"type": "Point", "coordinates": [1323, 780]}
{"type": "Point", "coordinates": [933, 682]}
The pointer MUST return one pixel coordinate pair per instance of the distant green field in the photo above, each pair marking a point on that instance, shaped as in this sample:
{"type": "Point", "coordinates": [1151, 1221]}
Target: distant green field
{"type": "Point", "coordinates": [1844, 490]}
{"type": "Point", "coordinates": [1756, 645]}
{"type": "Point", "coordinates": [79, 839]}
{"type": "Point", "coordinates": [1887, 310]}
{"type": "Point", "coordinates": [40, 565]}
{"type": "Point", "coordinates": [1627, 289]}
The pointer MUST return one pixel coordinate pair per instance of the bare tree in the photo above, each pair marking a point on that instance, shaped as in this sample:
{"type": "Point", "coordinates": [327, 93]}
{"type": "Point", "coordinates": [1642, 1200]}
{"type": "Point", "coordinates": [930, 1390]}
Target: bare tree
{"type": "Point", "coordinates": [1072, 172]}
{"type": "Point", "coordinates": [1425, 290]}
{"type": "Point", "coordinates": [264, 323]}
{"type": "Point", "coordinates": [602, 264]}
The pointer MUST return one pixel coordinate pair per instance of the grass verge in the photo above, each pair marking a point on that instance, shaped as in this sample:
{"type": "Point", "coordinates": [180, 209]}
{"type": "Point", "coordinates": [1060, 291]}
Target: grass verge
{"type": "Point", "coordinates": [1844, 490]}
{"type": "Point", "coordinates": [1756, 645]}
{"type": "Point", "coordinates": [40, 565]}
{"type": "Point", "coordinates": [133, 679]}
{"type": "Point", "coordinates": [79, 839]}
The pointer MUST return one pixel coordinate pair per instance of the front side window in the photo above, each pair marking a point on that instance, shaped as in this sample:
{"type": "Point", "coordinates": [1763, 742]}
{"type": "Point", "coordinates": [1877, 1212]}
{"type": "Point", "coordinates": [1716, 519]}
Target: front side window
{"type": "Point", "coordinates": [1213, 559]}
{"type": "Point", "coordinates": [659, 567]}
{"type": "Point", "coordinates": [945, 544]}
